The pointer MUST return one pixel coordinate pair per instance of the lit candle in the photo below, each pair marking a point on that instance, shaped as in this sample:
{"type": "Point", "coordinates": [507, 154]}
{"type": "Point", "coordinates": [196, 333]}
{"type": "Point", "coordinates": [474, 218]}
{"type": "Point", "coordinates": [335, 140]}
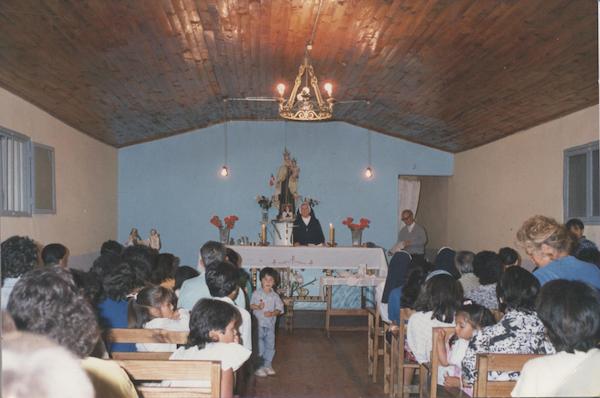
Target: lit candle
{"type": "Point", "coordinates": [331, 234]}
{"type": "Point", "coordinates": [263, 233]}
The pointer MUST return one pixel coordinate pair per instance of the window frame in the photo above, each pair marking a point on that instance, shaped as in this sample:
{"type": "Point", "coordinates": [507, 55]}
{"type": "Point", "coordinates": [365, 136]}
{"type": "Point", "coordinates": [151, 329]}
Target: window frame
{"type": "Point", "coordinates": [587, 149]}
{"type": "Point", "coordinates": [50, 149]}
{"type": "Point", "coordinates": [26, 167]}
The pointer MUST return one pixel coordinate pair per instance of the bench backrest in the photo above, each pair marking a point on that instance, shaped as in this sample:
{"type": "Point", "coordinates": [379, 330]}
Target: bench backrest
{"type": "Point", "coordinates": [140, 371]}
{"type": "Point", "coordinates": [499, 363]}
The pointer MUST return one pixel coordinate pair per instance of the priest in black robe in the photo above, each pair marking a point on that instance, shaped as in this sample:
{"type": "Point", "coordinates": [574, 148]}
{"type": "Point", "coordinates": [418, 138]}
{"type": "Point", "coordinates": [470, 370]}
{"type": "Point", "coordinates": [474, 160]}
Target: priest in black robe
{"type": "Point", "coordinates": [307, 229]}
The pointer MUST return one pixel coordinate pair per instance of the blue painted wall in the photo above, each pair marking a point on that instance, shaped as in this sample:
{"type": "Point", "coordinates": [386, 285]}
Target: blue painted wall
{"type": "Point", "coordinates": [174, 184]}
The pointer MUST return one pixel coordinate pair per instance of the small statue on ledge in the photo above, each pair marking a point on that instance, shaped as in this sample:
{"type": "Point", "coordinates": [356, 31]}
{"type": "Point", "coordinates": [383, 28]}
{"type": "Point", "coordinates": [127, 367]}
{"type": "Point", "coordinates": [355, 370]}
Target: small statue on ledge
{"type": "Point", "coordinates": [154, 239]}
{"type": "Point", "coordinates": [134, 238]}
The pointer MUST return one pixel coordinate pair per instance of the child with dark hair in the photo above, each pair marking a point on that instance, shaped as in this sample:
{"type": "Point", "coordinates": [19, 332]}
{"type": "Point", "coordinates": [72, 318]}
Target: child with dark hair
{"type": "Point", "coordinates": [153, 308]}
{"type": "Point", "coordinates": [111, 247]}
{"type": "Point", "coordinates": [18, 254]}
{"type": "Point", "coordinates": [55, 254]}
{"type": "Point", "coordinates": [163, 271]}
{"type": "Point", "coordinates": [214, 337]}
{"type": "Point", "coordinates": [470, 318]}
{"type": "Point", "coordinates": [509, 257]}
{"type": "Point", "coordinates": [570, 312]}
{"type": "Point", "coordinates": [436, 307]}
{"type": "Point", "coordinates": [266, 306]}
{"type": "Point", "coordinates": [520, 331]}
{"type": "Point", "coordinates": [222, 279]}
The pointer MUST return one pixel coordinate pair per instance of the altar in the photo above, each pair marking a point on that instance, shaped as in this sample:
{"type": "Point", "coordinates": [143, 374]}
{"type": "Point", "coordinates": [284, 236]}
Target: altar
{"type": "Point", "coordinates": [370, 262]}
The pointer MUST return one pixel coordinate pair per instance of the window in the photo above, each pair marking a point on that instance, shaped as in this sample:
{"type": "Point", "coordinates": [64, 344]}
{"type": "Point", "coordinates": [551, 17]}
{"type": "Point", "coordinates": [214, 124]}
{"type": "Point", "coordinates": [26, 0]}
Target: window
{"type": "Point", "coordinates": [43, 179]}
{"type": "Point", "coordinates": [581, 185]}
{"type": "Point", "coordinates": [15, 173]}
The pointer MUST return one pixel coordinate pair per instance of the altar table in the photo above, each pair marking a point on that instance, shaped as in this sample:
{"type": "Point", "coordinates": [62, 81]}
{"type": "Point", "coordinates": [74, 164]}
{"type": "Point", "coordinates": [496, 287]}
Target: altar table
{"type": "Point", "coordinates": [318, 257]}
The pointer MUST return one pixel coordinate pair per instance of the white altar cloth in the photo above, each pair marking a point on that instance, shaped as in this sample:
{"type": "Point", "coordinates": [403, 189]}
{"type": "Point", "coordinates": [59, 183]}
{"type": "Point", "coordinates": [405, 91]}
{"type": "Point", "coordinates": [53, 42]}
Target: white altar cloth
{"type": "Point", "coordinates": [313, 257]}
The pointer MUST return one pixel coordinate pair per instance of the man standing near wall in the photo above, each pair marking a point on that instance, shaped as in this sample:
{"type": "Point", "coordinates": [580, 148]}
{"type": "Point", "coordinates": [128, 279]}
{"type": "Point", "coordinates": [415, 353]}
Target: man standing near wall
{"type": "Point", "coordinates": [412, 237]}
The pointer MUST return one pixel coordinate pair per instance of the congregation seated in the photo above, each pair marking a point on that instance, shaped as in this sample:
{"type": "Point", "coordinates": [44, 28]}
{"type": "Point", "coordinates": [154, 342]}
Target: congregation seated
{"type": "Point", "coordinates": [55, 254]}
{"type": "Point", "coordinates": [153, 308]}
{"type": "Point", "coordinates": [25, 370]}
{"type": "Point", "coordinates": [509, 257]}
{"type": "Point", "coordinates": [488, 267]}
{"type": "Point", "coordinates": [214, 326]}
{"type": "Point", "coordinates": [520, 331]}
{"type": "Point", "coordinates": [548, 243]}
{"type": "Point", "coordinates": [18, 254]}
{"type": "Point", "coordinates": [163, 271]}
{"type": "Point", "coordinates": [397, 274]}
{"type": "Point", "coordinates": [445, 260]}
{"type": "Point", "coordinates": [118, 284]}
{"type": "Point", "coordinates": [46, 301]}
{"type": "Point", "coordinates": [406, 295]}
{"type": "Point", "coordinates": [196, 288]}
{"type": "Point", "coordinates": [570, 312]}
{"type": "Point", "coordinates": [435, 307]}
{"type": "Point", "coordinates": [464, 263]}
{"type": "Point", "coordinates": [222, 280]}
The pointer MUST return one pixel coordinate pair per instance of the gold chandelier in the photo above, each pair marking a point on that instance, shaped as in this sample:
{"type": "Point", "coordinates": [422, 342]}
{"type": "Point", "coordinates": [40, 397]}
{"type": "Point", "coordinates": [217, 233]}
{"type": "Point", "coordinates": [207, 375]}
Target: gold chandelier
{"type": "Point", "coordinates": [306, 103]}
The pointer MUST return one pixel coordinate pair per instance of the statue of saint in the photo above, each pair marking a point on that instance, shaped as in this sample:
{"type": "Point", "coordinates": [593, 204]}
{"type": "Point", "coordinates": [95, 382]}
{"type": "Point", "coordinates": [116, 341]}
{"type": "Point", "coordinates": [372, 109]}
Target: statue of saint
{"type": "Point", "coordinates": [286, 185]}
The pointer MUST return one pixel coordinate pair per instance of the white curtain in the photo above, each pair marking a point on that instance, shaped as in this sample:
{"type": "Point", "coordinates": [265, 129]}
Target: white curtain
{"type": "Point", "coordinates": [409, 189]}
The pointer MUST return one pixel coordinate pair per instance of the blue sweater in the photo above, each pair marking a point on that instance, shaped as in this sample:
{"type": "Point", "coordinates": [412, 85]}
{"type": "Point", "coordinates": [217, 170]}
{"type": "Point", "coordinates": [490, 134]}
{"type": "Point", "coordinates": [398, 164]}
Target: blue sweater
{"type": "Point", "coordinates": [113, 314]}
{"type": "Point", "coordinates": [569, 268]}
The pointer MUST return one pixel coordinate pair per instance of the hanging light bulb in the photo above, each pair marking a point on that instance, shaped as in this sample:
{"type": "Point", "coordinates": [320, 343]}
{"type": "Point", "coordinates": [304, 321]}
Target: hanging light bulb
{"type": "Point", "coordinates": [281, 89]}
{"type": "Point", "coordinates": [328, 89]}
{"type": "Point", "coordinates": [368, 172]}
{"type": "Point", "coordinates": [224, 171]}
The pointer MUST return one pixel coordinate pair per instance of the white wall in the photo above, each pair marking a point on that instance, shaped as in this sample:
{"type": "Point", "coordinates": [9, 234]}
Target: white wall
{"type": "Point", "coordinates": [497, 186]}
{"type": "Point", "coordinates": [86, 182]}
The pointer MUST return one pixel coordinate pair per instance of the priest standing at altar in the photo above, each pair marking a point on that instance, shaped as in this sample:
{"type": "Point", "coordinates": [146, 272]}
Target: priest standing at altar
{"type": "Point", "coordinates": [412, 237]}
{"type": "Point", "coordinates": [307, 229]}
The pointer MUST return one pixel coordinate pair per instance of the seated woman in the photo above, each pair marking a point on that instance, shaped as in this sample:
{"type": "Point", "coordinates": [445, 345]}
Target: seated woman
{"type": "Point", "coordinates": [548, 243]}
{"type": "Point", "coordinates": [464, 263]}
{"type": "Point", "coordinates": [406, 295]}
{"type": "Point", "coordinates": [436, 307]}
{"type": "Point", "coordinates": [214, 337]}
{"type": "Point", "coordinates": [488, 267]}
{"type": "Point", "coordinates": [520, 331]}
{"type": "Point", "coordinates": [307, 228]}
{"type": "Point", "coordinates": [396, 276]}
{"type": "Point", "coordinates": [570, 311]}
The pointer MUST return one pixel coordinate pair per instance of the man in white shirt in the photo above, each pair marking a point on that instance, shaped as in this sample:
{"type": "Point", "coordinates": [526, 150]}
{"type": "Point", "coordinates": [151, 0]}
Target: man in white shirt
{"type": "Point", "coordinates": [412, 237]}
{"type": "Point", "coordinates": [222, 280]}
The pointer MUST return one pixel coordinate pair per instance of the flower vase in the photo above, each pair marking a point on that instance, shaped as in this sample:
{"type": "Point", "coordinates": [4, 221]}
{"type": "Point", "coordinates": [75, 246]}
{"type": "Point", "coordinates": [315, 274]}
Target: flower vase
{"type": "Point", "coordinates": [356, 237]}
{"type": "Point", "coordinates": [224, 235]}
{"type": "Point", "coordinates": [265, 216]}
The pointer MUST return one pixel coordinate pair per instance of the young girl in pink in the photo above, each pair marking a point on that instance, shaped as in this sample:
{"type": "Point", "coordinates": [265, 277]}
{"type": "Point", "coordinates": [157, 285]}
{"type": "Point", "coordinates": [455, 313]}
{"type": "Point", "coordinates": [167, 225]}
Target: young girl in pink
{"type": "Point", "coordinates": [451, 348]}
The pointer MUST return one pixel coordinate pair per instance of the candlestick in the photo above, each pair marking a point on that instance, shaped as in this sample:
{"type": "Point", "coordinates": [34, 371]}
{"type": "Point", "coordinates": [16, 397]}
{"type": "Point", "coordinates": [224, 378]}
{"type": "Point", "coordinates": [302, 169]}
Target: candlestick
{"type": "Point", "coordinates": [331, 234]}
{"type": "Point", "coordinates": [263, 233]}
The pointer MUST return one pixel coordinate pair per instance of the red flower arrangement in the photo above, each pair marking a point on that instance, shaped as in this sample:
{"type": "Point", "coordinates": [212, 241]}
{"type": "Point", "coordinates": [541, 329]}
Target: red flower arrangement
{"type": "Point", "coordinates": [229, 221]}
{"type": "Point", "coordinates": [363, 223]}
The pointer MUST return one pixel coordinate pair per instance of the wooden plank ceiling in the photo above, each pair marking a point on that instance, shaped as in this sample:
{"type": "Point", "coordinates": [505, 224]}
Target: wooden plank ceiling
{"type": "Point", "coordinates": [450, 74]}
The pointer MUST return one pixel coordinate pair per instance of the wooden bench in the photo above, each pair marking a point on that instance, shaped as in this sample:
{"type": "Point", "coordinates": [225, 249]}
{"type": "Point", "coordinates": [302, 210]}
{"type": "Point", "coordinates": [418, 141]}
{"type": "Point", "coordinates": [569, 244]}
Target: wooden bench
{"type": "Point", "coordinates": [498, 363]}
{"type": "Point", "coordinates": [141, 371]}
{"type": "Point", "coordinates": [399, 386]}
{"type": "Point", "coordinates": [434, 388]}
{"type": "Point", "coordinates": [375, 335]}
{"type": "Point", "coordinates": [160, 336]}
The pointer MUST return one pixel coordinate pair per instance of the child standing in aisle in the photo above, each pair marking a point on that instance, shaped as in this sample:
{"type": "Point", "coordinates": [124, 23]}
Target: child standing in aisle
{"type": "Point", "coordinates": [266, 306]}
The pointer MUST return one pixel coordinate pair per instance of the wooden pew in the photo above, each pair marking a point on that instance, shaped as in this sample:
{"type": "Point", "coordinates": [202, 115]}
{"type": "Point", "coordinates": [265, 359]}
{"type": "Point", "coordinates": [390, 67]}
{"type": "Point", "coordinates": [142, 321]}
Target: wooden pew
{"type": "Point", "coordinates": [143, 336]}
{"type": "Point", "coordinates": [158, 370]}
{"type": "Point", "coordinates": [400, 386]}
{"type": "Point", "coordinates": [375, 335]}
{"type": "Point", "coordinates": [500, 363]}
{"type": "Point", "coordinates": [435, 363]}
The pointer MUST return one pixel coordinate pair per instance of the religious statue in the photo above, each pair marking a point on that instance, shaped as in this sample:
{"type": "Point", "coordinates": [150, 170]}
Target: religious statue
{"type": "Point", "coordinates": [134, 238]}
{"type": "Point", "coordinates": [286, 186]}
{"type": "Point", "coordinates": [154, 239]}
